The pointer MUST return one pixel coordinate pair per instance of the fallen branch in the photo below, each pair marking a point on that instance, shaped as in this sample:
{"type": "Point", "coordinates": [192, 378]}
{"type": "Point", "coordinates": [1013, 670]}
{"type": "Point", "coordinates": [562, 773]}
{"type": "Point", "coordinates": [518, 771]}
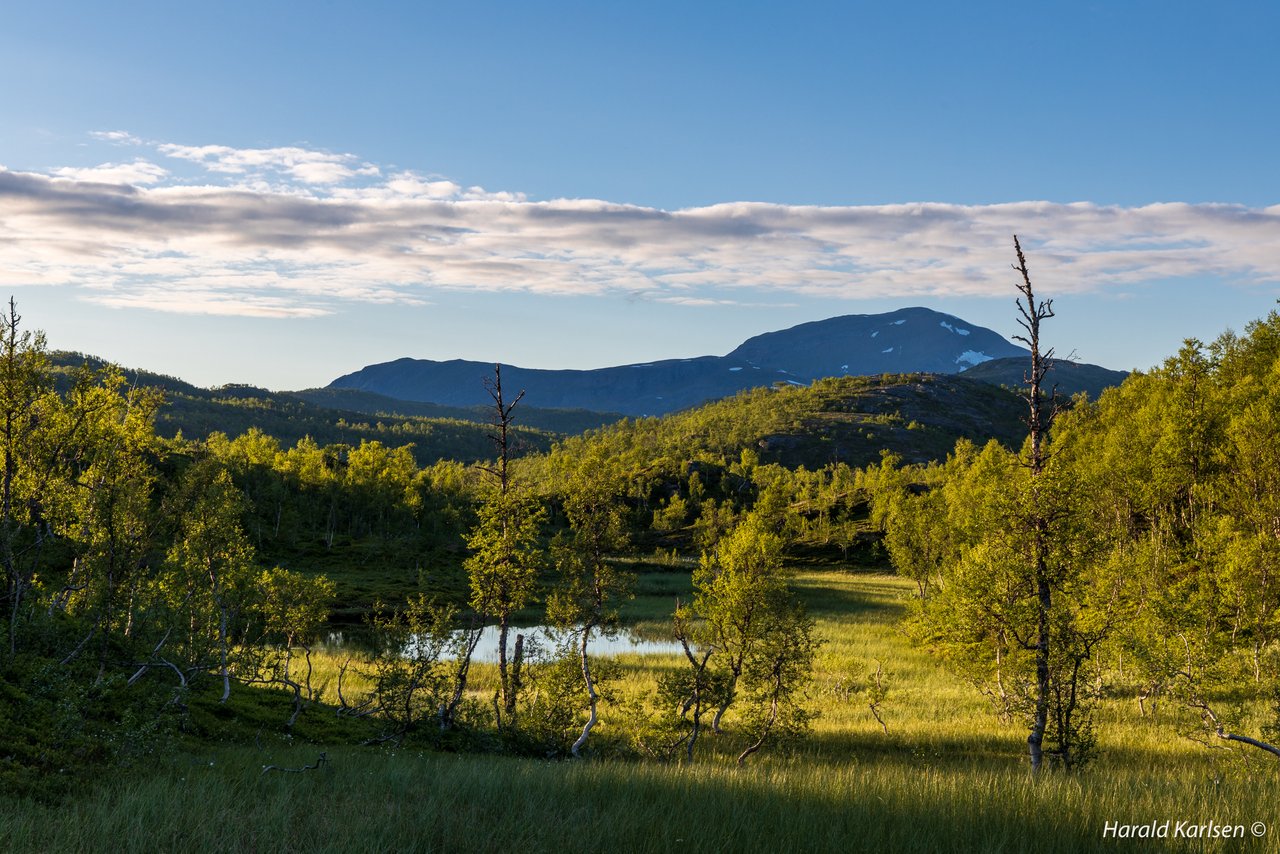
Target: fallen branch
{"type": "Point", "coordinates": [878, 692]}
{"type": "Point", "coordinates": [1209, 717]}
{"type": "Point", "coordinates": [323, 758]}
{"type": "Point", "coordinates": [1262, 745]}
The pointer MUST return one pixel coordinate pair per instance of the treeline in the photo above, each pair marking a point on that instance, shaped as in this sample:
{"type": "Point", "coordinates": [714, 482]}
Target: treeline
{"type": "Point", "coordinates": [327, 416]}
{"type": "Point", "coordinates": [1155, 524]}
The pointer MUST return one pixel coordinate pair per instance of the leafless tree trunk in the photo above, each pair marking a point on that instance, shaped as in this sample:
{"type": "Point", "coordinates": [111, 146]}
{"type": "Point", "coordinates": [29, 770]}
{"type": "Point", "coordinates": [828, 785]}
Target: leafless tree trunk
{"type": "Point", "coordinates": [1038, 421]}
{"type": "Point", "coordinates": [508, 678]}
{"type": "Point", "coordinates": [591, 691]}
{"type": "Point", "coordinates": [502, 421]}
{"type": "Point", "coordinates": [462, 667]}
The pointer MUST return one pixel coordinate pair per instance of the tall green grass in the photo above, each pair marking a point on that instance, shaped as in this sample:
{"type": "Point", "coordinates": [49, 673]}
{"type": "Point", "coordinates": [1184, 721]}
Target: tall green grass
{"type": "Point", "coordinates": [405, 801]}
{"type": "Point", "coordinates": [947, 776]}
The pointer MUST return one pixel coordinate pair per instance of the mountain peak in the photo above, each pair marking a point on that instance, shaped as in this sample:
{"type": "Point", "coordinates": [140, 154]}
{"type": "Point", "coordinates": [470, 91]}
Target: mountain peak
{"type": "Point", "coordinates": [909, 340]}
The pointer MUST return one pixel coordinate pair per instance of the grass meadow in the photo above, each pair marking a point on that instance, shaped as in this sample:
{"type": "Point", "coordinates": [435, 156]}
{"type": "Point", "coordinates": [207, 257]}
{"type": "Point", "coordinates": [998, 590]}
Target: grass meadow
{"type": "Point", "coordinates": [946, 776]}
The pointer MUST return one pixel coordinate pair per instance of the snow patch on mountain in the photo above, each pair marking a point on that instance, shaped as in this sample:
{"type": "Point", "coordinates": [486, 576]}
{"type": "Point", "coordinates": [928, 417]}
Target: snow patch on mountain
{"type": "Point", "coordinates": [972, 357]}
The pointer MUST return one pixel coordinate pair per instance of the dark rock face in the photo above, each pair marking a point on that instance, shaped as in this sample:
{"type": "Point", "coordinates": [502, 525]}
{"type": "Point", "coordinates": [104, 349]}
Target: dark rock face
{"type": "Point", "coordinates": [905, 341]}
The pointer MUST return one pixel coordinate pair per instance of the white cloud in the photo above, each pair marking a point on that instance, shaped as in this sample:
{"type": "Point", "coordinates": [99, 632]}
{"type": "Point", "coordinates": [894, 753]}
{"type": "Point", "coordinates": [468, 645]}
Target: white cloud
{"type": "Point", "coordinates": [139, 172]}
{"type": "Point", "coordinates": [302, 164]}
{"type": "Point", "coordinates": [295, 232]}
{"type": "Point", "coordinates": [203, 302]}
{"type": "Point", "coordinates": [119, 137]}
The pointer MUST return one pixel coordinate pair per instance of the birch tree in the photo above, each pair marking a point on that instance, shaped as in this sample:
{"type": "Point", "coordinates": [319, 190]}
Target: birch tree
{"type": "Point", "coordinates": [1023, 597]}
{"type": "Point", "coordinates": [505, 550]}
{"type": "Point", "coordinates": [590, 585]}
{"type": "Point", "coordinates": [211, 568]}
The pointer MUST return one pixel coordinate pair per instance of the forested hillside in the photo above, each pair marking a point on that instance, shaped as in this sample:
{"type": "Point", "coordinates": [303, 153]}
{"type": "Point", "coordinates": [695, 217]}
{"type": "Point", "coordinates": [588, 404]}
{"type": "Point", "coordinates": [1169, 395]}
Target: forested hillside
{"type": "Point", "coordinates": [566, 422]}
{"type": "Point", "coordinates": [323, 416]}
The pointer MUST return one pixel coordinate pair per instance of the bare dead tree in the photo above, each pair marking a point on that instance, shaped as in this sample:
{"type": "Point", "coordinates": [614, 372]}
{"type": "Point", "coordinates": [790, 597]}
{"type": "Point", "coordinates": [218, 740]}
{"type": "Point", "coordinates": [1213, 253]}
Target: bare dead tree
{"type": "Point", "coordinates": [1032, 312]}
{"type": "Point", "coordinates": [509, 668]}
{"type": "Point", "coordinates": [501, 437]}
{"type": "Point", "coordinates": [1042, 409]}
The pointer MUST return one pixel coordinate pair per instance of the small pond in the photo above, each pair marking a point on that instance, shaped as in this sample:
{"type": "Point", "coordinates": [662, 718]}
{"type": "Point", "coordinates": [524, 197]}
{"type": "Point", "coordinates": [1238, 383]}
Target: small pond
{"type": "Point", "coordinates": [544, 638]}
{"type": "Point", "coordinates": [547, 639]}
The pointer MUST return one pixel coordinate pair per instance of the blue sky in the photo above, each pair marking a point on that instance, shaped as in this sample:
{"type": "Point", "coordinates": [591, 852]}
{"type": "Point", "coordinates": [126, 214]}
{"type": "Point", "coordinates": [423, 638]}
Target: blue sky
{"type": "Point", "coordinates": [279, 193]}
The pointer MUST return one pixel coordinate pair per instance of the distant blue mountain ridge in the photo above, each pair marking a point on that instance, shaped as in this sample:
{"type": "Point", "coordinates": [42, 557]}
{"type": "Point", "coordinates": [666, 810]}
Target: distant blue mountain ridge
{"type": "Point", "coordinates": [909, 340]}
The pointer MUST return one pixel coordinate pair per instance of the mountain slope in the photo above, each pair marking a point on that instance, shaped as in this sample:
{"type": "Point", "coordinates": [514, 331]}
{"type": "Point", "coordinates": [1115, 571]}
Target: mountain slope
{"type": "Point", "coordinates": [562, 421]}
{"type": "Point", "coordinates": [1069, 377]}
{"type": "Point", "coordinates": [286, 416]}
{"type": "Point", "coordinates": [905, 341]}
{"type": "Point", "coordinates": [910, 339]}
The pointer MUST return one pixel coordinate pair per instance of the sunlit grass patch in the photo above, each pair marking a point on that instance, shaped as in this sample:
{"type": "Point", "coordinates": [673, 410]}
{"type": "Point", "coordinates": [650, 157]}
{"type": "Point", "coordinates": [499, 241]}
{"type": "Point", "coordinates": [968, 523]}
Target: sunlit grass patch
{"type": "Point", "coordinates": [948, 775]}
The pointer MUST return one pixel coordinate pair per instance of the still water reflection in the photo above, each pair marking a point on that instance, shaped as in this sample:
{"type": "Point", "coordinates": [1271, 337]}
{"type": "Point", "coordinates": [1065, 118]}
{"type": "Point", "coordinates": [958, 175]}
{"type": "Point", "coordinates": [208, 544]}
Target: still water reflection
{"type": "Point", "coordinates": [545, 640]}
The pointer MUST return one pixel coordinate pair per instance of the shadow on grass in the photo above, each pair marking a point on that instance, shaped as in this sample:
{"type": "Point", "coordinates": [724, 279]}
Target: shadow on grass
{"type": "Point", "coordinates": [432, 802]}
{"type": "Point", "coordinates": [881, 601]}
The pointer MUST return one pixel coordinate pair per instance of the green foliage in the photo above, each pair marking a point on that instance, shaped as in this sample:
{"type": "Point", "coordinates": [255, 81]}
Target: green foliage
{"type": "Point", "coordinates": [293, 606]}
{"type": "Point", "coordinates": [1160, 508]}
{"type": "Point", "coordinates": [137, 567]}
{"type": "Point", "coordinates": [555, 706]}
{"type": "Point", "coordinates": [506, 553]}
{"type": "Point", "coordinates": [776, 673]}
{"type": "Point", "coordinates": [787, 453]}
{"type": "Point", "coordinates": [410, 675]}
{"type": "Point", "coordinates": [590, 583]}
{"type": "Point", "coordinates": [750, 635]}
